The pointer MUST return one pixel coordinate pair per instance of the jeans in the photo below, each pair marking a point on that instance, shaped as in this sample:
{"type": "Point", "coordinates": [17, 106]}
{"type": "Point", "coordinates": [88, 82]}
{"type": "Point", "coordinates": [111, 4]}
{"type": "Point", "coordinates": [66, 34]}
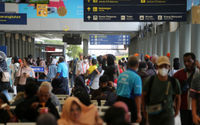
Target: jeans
{"type": "Point", "coordinates": [186, 117]}
{"type": "Point", "coordinates": [65, 84]}
{"type": "Point", "coordinates": [5, 92]}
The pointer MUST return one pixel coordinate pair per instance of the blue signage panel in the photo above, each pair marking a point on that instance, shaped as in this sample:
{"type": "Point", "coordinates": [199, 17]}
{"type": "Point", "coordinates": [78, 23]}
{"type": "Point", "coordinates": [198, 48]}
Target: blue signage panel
{"type": "Point", "coordinates": [2, 7]}
{"type": "Point", "coordinates": [134, 10]}
{"type": "Point", "coordinates": [3, 49]}
{"type": "Point", "coordinates": [38, 69]}
{"type": "Point", "coordinates": [101, 39]}
{"type": "Point", "coordinates": [13, 18]}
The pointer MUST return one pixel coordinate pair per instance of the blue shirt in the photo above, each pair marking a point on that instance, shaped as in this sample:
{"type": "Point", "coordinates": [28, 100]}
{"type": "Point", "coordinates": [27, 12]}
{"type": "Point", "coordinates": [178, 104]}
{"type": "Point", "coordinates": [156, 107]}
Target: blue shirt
{"type": "Point", "coordinates": [63, 70]}
{"type": "Point", "coordinates": [129, 84]}
{"type": "Point", "coordinates": [52, 71]}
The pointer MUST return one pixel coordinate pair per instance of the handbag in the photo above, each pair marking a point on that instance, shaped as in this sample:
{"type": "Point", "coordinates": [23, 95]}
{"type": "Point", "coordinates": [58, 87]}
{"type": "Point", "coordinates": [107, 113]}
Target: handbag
{"type": "Point", "coordinates": [5, 77]}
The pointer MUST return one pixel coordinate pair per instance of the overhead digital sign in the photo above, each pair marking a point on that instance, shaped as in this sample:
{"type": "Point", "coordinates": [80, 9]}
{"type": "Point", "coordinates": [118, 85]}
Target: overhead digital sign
{"type": "Point", "coordinates": [13, 18]}
{"type": "Point", "coordinates": [134, 10]}
{"type": "Point", "coordinates": [2, 7]}
{"type": "Point", "coordinates": [101, 39]}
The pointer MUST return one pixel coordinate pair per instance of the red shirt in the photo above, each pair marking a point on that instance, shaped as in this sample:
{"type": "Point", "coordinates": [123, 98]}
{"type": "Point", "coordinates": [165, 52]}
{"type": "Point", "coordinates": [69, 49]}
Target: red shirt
{"type": "Point", "coordinates": [181, 75]}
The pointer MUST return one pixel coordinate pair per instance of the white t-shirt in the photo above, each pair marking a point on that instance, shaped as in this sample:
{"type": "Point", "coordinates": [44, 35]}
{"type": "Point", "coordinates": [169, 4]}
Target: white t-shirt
{"type": "Point", "coordinates": [82, 67]}
{"type": "Point", "coordinates": [95, 83]}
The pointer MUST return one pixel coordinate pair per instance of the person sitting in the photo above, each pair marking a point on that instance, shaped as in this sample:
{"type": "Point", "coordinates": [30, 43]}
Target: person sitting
{"type": "Point", "coordinates": [24, 101]}
{"type": "Point", "coordinates": [5, 113]}
{"type": "Point", "coordinates": [57, 87]}
{"type": "Point", "coordinates": [36, 105]}
{"type": "Point", "coordinates": [53, 97]}
{"type": "Point", "coordinates": [115, 116]}
{"type": "Point", "coordinates": [104, 92]}
{"type": "Point", "coordinates": [81, 91]}
{"type": "Point", "coordinates": [30, 91]}
{"type": "Point", "coordinates": [43, 100]}
{"type": "Point", "coordinates": [76, 113]}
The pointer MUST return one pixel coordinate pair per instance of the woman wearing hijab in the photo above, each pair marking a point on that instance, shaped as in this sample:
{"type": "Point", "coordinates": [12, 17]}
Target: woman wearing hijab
{"type": "Point", "coordinates": [4, 86]}
{"type": "Point", "coordinates": [81, 91]}
{"type": "Point", "coordinates": [76, 113]}
{"type": "Point", "coordinates": [52, 70]}
{"type": "Point", "coordinates": [14, 66]}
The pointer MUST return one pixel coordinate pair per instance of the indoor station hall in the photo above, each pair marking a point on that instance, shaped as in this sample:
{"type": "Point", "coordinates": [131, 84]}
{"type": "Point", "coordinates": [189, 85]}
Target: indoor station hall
{"type": "Point", "coordinates": [99, 62]}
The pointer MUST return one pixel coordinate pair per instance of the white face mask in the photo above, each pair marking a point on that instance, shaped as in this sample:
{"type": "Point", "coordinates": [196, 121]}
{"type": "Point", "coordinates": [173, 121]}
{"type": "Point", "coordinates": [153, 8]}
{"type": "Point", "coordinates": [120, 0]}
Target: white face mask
{"type": "Point", "coordinates": [163, 71]}
{"type": "Point", "coordinates": [85, 61]}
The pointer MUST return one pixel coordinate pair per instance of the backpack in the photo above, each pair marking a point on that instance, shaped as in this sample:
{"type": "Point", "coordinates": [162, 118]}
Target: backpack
{"type": "Point", "coordinates": [150, 82]}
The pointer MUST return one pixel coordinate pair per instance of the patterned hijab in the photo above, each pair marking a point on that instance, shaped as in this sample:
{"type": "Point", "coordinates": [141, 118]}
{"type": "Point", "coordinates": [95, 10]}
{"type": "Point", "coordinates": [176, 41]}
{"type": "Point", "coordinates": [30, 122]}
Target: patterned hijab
{"type": "Point", "coordinates": [3, 65]}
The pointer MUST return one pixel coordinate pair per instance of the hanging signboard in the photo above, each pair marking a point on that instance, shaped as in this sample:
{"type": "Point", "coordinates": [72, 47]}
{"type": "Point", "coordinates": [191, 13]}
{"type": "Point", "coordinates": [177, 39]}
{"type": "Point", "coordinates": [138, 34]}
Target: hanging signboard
{"type": "Point", "coordinates": [134, 10]}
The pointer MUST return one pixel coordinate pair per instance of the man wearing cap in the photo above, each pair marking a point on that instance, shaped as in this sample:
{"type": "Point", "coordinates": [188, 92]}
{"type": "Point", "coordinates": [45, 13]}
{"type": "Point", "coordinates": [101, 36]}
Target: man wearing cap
{"type": "Point", "coordinates": [159, 94]}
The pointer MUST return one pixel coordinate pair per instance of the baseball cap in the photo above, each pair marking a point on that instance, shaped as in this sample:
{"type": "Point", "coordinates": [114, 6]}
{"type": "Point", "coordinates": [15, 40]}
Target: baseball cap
{"type": "Point", "coordinates": [163, 60]}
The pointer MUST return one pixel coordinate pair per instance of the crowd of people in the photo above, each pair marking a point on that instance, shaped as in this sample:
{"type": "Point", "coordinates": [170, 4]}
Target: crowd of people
{"type": "Point", "coordinates": [147, 90]}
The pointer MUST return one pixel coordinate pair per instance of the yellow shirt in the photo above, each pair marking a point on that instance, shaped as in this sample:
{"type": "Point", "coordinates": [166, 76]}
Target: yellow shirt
{"type": "Point", "coordinates": [91, 69]}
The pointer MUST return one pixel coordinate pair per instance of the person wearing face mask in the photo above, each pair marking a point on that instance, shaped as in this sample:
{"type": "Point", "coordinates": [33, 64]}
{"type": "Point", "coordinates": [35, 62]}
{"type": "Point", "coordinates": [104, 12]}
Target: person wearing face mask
{"type": "Point", "coordinates": [82, 65]}
{"type": "Point", "coordinates": [159, 94]}
{"type": "Point", "coordinates": [186, 77]}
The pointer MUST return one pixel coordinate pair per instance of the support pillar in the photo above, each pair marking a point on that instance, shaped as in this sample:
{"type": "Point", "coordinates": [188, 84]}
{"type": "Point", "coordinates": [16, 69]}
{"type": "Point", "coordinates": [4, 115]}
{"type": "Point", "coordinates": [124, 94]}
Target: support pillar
{"type": "Point", "coordinates": [33, 51]}
{"type": "Point", "coordinates": [17, 45]}
{"type": "Point", "coordinates": [23, 46]}
{"type": "Point", "coordinates": [195, 41]}
{"type": "Point", "coordinates": [166, 41]}
{"type": "Point", "coordinates": [160, 44]}
{"type": "Point", "coordinates": [12, 46]}
{"type": "Point", "coordinates": [185, 41]}
{"type": "Point", "coordinates": [145, 45]}
{"type": "Point", "coordinates": [85, 47]}
{"type": "Point", "coordinates": [2, 39]}
{"type": "Point", "coordinates": [149, 45]}
{"type": "Point", "coordinates": [20, 46]}
{"type": "Point", "coordinates": [8, 40]}
{"type": "Point", "coordinates": [174, 45]}
{"type": "Point", "coordinates": [154, 44]}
